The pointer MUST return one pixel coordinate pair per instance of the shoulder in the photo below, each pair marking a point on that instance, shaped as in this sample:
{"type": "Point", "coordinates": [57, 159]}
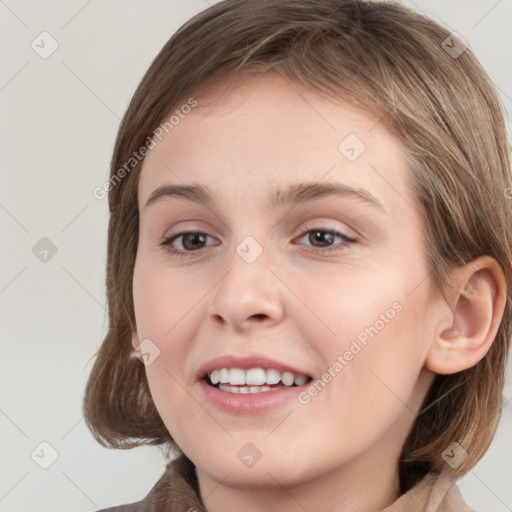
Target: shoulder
{"type": "Point", "coordinates": [177, 487]}
{"type": "Point", "coordinates": [139, 506]}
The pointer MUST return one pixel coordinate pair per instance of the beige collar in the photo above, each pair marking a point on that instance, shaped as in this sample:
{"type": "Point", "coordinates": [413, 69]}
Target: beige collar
{"type": "Point", "coordinates": [177, 491]}
{"type": "Point", "coordinates": [435, 493]}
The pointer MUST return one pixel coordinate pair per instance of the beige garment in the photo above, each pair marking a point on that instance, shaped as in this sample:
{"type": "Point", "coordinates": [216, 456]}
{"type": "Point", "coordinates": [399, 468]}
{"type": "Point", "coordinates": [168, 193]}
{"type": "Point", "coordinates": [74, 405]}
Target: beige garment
{"type": "Point", "coordinates": [435, 493]}
{"type": "Point", "coordinates": [177, 491]}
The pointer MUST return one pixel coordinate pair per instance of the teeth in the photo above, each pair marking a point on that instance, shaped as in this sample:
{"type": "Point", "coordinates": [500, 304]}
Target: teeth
{"type": "Point", "coordinates": [255, 376]}
{"type": "Point", "coordinates": [236, 376]}
{"type": "Point", "coordinates": [214, 377]}
{"type": "Point", "coordinates": [223, 376]}
{"type": "Point", "coordinates": [273, 376]}
{"type": "Point", "coordinates": [246, 389]}
{"type": "Point", "coordinates": [255, 380]}
{"type": "Point", "coordinates": [299, 381]}
{"type": "Point", "coordinates": [229, 389]}
{"type": "Point", "coordinates": [287, 378]}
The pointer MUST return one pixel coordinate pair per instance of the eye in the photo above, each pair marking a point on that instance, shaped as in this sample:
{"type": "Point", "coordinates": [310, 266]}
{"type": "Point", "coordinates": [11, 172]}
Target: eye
{"type": "Point", "coordinates": [325, 238]}
{"type": "Point", "coordinates": [191, 241]}
{"type": "Point", "coordinates": [322, 240]}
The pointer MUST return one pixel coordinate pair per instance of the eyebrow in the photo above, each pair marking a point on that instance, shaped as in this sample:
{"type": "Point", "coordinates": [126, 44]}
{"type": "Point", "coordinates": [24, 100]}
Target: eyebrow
{"type": "Point", "coordinates": [279, 197]}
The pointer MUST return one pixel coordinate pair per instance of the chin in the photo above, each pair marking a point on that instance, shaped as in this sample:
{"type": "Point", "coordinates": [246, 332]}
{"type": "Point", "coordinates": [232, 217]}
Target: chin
{"type": "Point", "coordinates": [274, 472]}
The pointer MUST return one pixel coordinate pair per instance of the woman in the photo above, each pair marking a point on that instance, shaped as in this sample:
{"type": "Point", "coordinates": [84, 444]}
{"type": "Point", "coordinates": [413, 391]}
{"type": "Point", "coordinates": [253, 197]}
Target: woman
{"type": "Point", "coordinates": [310, 257]}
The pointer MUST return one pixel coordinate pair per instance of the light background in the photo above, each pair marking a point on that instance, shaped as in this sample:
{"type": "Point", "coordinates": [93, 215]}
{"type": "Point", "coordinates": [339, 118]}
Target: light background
{"type": "Point", "coordinates": [59, 120]}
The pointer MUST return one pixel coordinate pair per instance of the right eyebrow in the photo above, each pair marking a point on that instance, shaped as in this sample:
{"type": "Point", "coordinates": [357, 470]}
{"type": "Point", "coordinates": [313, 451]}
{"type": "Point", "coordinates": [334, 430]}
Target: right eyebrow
{"type": "Point", "coordinates": [194, 193]}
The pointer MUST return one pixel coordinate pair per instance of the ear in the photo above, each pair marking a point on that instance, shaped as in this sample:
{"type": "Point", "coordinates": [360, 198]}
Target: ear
{"type": "Point", "coordinates": [476, 304]}
{"type": "Point", "coordinates": [137, 352]}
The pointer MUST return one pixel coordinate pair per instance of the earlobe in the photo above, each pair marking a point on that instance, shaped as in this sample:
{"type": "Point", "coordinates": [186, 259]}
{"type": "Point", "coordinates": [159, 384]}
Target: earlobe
{"type": "Point", "coordinates": [477, 306]}
{"type": "Point", "coordinates": [136, 345]}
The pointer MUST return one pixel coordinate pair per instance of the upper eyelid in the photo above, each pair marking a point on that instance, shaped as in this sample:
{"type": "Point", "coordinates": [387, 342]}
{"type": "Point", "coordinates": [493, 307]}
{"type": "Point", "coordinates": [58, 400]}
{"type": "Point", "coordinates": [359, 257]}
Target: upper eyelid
{"type": "Point", "coordinates": [309, 224]}
{"type": "Point", "coordinates": [304, 230]}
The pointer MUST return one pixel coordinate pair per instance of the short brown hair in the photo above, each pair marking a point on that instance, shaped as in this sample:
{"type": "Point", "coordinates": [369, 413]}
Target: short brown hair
{"type": "Point", "coordinates": [383, 58]}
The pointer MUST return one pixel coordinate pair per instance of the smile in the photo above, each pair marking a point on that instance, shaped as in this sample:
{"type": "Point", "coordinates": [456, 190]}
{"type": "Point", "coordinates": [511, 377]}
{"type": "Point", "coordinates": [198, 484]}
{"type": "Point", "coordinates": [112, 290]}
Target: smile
{"type": "Point", "coordinates": [254, 380]}
{"type": "Point", "coordinates": [250, 384]}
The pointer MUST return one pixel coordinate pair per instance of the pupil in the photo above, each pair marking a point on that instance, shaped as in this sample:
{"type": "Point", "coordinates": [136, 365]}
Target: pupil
{"type": "Point", "coordinates": [195, 237]}
{"type": "Point", "coordinates": [320, 236]}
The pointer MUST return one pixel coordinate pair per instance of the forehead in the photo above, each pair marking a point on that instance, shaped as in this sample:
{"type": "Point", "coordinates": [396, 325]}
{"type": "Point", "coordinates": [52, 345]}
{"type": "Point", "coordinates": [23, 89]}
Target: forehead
{"type": "Point", "coordinates": [247, 135]}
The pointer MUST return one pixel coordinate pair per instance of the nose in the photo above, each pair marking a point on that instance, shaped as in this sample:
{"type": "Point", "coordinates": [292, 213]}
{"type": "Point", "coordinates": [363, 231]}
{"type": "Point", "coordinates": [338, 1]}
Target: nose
{"type": "Point", "coordinates": [248, 296]}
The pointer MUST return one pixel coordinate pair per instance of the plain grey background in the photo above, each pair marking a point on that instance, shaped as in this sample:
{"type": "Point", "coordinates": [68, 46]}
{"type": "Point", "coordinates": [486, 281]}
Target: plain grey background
{"type": "Point", "coordinates": [59, 117]}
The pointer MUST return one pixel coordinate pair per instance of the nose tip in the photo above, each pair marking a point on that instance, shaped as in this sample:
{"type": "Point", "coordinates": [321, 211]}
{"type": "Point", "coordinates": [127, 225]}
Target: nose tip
{"type": "Point", "coordinates": [242, 323]}
{"type": "Point", "coordinates": [246, 297]}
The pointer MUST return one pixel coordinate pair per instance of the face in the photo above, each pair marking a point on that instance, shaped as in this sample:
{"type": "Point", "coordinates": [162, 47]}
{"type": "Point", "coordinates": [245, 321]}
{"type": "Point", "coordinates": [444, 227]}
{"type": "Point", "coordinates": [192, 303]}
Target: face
{"type": "Point", "coordinates": [288, 312]}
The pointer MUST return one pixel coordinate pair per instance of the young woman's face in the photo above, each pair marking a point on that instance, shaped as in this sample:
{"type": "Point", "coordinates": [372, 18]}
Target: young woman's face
{"type": "Point", "coordinates": [325, 281]}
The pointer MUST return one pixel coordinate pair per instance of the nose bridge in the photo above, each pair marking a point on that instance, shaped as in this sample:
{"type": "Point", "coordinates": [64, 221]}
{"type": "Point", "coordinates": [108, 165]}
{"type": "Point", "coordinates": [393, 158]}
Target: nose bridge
{"type": "Point", "coordinates": [248, 291]}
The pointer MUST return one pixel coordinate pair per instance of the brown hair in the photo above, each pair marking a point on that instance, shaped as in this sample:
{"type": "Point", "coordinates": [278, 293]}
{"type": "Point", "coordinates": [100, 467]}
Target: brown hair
{"type": "Point", "coordinates": [387, 60]}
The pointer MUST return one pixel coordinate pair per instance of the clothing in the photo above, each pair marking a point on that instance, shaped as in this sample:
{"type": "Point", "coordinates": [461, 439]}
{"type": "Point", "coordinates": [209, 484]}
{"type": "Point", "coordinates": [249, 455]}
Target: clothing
{"type": "Point", "coordinates": [177, 491]}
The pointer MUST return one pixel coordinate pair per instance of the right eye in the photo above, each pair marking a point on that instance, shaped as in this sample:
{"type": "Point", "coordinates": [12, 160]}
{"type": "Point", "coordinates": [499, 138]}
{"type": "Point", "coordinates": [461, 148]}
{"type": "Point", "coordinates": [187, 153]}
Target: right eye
{"type": "Point", "coordinates": [190, 241]}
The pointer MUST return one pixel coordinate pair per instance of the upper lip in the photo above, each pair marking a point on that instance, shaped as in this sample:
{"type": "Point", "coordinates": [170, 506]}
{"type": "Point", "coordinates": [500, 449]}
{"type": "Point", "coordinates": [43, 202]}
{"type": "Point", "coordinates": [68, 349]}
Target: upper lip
{"type": "Point", "coordinates": [245, 363]}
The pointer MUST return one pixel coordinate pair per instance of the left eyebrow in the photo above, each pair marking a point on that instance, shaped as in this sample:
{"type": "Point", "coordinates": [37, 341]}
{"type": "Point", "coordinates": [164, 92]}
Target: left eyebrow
{"type": "Point", "coordinates": [304, 192]}
{"type": "Point", "coordinates": [279, 197]}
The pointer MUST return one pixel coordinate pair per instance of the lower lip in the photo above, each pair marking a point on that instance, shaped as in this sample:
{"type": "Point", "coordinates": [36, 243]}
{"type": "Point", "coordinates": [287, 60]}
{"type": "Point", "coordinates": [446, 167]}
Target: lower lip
{"type": "Point", "coordinates": [249, 403]}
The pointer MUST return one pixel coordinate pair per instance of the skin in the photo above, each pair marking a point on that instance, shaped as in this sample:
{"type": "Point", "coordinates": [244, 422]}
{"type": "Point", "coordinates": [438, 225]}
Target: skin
{"type": "Point", "coordinates": [290, 304]}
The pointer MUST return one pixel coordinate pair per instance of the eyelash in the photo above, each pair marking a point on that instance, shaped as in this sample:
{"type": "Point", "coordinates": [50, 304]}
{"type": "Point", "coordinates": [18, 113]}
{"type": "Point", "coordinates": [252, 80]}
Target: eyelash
{"type": "Point", "coordinates": [346, 241]}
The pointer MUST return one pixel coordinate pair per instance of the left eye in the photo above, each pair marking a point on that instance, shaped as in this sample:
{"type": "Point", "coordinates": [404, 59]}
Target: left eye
{"type": "Point", "coordinates": [325, 238]}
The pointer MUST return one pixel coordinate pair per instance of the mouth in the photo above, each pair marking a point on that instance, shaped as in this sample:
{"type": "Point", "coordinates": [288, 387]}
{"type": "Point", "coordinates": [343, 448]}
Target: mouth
{"type": "Point", "coordinates": [254, 380]}
{"type": "Point", "coordinates": [250, 384]}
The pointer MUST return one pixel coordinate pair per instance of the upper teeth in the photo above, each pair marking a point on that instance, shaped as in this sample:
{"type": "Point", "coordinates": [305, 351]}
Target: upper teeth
{"type": "Point", "coordinates": [255, 377]}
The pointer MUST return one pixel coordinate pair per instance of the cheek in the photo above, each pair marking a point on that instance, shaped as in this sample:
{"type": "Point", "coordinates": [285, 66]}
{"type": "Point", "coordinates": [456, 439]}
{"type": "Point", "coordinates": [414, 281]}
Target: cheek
{"type": "Point", "coordinates": [351, 303]}
{"type": "Point", "coordinates": [373, 344]}
{"type": "Point", "coordinates": [162, 299]}
{"type": "Point", "coordinates": [167, 311]}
